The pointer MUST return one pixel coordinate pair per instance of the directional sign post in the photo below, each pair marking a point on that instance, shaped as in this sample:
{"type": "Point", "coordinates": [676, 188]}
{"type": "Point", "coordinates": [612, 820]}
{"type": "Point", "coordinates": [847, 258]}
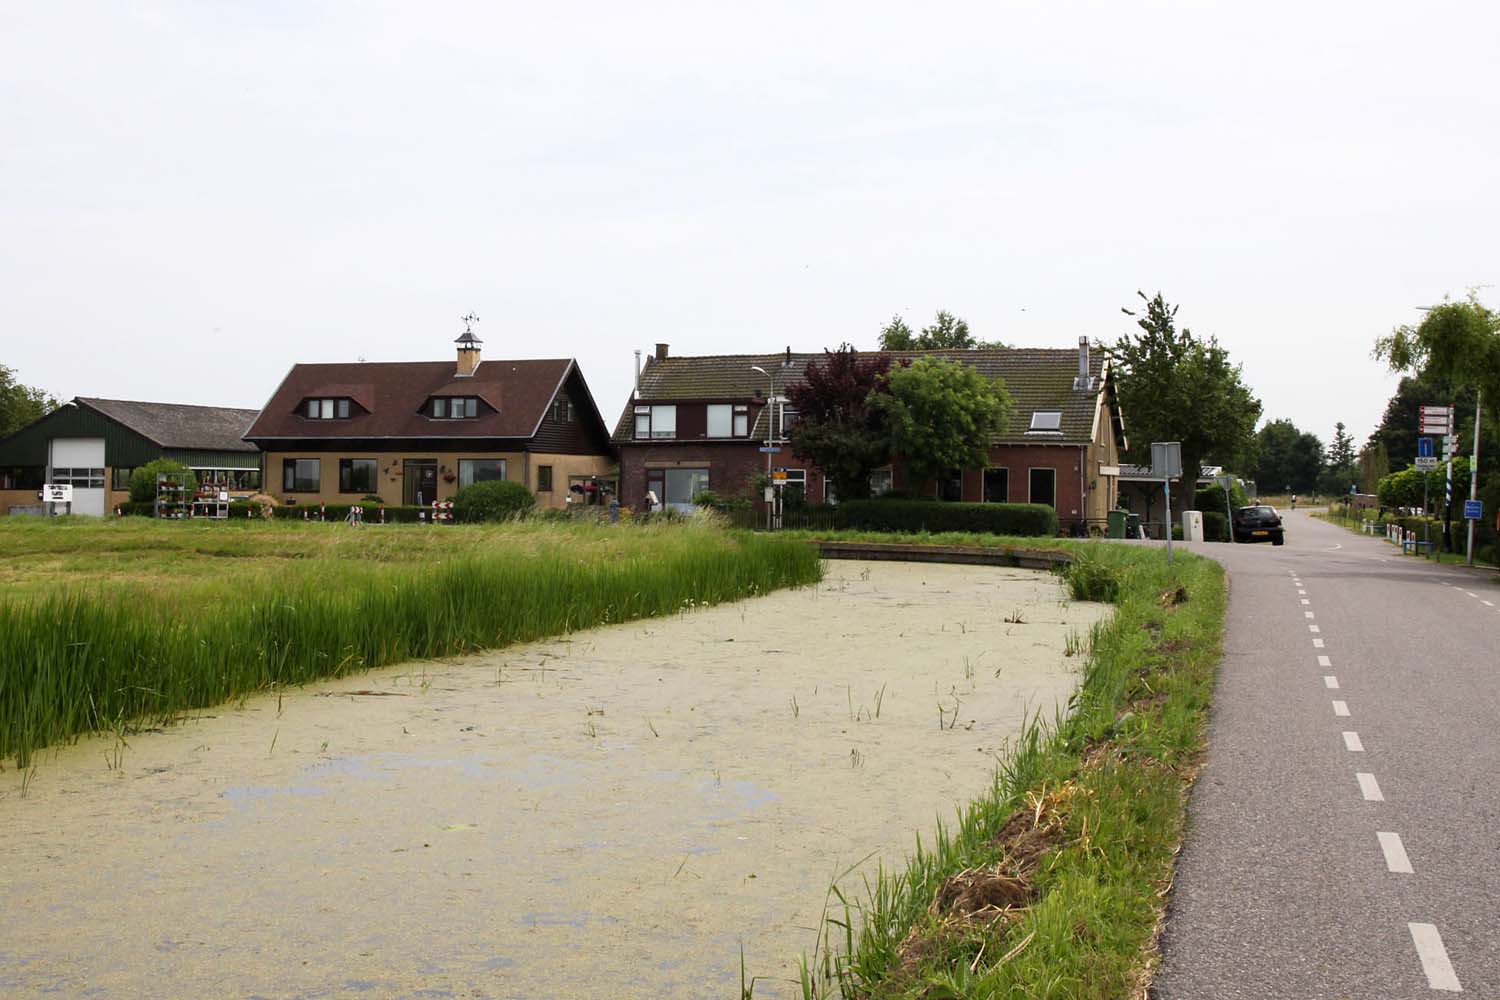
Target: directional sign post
{"type": "Point", "coordinates": [1473, 510]}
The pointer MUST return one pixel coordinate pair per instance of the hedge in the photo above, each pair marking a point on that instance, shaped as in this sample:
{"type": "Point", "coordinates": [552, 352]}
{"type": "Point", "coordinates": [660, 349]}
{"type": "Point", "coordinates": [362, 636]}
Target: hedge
{"type": "Point", "coordinates": [1029, 519]}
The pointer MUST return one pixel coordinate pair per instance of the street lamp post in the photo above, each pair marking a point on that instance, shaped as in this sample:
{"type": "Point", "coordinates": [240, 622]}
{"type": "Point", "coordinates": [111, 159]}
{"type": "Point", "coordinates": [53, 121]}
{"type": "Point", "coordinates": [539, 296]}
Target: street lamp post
{"type": "Point", "coordinates": [770, 435]}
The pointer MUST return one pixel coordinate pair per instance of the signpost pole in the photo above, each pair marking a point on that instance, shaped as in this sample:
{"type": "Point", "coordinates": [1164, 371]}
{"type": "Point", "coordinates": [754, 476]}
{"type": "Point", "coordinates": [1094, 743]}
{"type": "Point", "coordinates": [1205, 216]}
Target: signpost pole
{"type": "Point", "coordinates": [1166, 488]}
{"type": "Point", "coordinates": [1474, 472]}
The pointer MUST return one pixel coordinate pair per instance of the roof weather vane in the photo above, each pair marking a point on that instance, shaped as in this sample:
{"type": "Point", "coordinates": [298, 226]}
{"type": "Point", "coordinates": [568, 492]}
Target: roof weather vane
{"type": "Point", "coordinates": [469, 322]}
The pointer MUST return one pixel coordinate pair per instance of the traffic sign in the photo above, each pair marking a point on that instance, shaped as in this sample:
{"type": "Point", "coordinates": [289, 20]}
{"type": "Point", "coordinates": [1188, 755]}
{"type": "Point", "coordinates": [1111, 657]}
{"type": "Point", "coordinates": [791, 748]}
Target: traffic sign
{"type": "Point", "coordinates": [1424, 447]}
{"type": "Point", "coordinates": [769, 451]}
{"type": "Point", "coordinates": [1435, 420]}
{"type": "Point", "coordinates": [1473, 510]}
{"type": "Point", "coordinates": [1426, 463]}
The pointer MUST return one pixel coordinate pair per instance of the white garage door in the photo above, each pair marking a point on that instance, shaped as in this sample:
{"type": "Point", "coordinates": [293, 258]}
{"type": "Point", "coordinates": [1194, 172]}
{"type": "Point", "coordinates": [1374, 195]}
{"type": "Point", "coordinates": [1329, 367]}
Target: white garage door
{"type": "Point", "coordinates": [79, 462]}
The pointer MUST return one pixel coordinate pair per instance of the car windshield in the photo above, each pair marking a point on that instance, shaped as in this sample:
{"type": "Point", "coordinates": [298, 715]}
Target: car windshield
{"type": "Point", "coordinates": [1262, 511]}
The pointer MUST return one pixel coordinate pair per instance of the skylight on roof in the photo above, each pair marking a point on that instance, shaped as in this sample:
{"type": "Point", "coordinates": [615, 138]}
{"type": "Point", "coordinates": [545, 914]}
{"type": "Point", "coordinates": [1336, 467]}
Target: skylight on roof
{"type": "Point", "coordinates": [1046, 420]}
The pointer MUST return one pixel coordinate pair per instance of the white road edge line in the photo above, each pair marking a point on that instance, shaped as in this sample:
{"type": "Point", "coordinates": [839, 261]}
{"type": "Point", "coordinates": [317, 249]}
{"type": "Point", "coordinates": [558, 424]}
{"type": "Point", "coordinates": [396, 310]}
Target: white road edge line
{"type": "Point", "coordinates": [1331, 682]}
{"type": "Point", "coordinates": [1434, 956]}
{"type": "Point", "coordinates": [1353, 744]}
{"type": "Point", "coordinates": [1341, 709]}
{"type": "Point", "coordinates": [1369, 788]}
{"type": "Point", "coordinates": [1324, 661]}
{"type": "Point", "coordinates": [1395, 853]}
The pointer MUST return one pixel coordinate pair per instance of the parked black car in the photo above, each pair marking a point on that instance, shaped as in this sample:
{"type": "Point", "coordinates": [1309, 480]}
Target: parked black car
{"type": "Point", "coordinates": [1260, 523]}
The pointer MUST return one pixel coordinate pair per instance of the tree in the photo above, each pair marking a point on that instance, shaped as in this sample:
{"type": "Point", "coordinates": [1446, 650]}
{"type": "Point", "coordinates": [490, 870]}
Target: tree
{"type": "Point", "coordinates": [1456, 342]}
{"type": "Point", "coordinates": [1374, 465]}
{"type": "Point", "coordinates": [836, 427]}
{"type": "Point", "coordinates": [1287, 459]}
{"type": "Point", "coordinates": [940, 415]}
{"type": "Point", "coordinates": [1341, 471]}
{"type": "Point", "coordinates": [20, 404]}
{"type": "Point", "coordinates": [1175, 387]}
{"type": "Point", "coordinates": [947, 333]}
{"type": "Point", "coordinates": [1341, 451]}
{"type": "Point", "coordinates": [143, 478]}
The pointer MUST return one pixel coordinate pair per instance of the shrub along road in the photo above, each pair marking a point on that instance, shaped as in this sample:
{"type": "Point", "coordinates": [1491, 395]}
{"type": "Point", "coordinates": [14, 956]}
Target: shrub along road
{"type": "Point", "coordinates": [1342, 833]}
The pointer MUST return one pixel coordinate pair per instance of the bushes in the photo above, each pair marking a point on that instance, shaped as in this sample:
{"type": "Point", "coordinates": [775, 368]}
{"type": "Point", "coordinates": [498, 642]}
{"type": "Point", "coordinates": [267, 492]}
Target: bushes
{"type": "Point", "coordinates": [495, 500]}
{"type": "Point", "coordinates": [143, 479]}
{"type": "Point", "coordinates": [1028, 519]}
{"type": "Point", "coordinates": [1090, 579]}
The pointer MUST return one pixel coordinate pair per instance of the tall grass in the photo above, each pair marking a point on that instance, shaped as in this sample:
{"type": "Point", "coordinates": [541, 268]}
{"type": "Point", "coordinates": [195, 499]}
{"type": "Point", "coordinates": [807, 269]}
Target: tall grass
{"type": "Point", "coordinates": [80, 659]}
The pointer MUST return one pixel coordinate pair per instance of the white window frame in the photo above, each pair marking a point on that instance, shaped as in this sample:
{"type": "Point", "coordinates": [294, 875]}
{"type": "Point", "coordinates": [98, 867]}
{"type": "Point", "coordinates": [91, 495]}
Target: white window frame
{"type": "Point", "coordinates": [504, 470]}
{"type": "Point", "coordinates": [890, 480]}
{"type": "Point", "coordinates": [725, 420]}
{"type": "Point", "coordinates": [1046, 421]}
{"type": "Point", "coordinates": [660, 415]}
{"type": "Point", "coordinates": [741, 420]}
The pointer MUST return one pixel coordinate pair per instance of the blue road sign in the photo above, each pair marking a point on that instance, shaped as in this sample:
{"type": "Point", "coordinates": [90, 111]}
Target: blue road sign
{"type": "Point", "coordinates": [1424, 447]}
{"type": "Point", "coordinates": [770, 451]}
{"type": "Point", "coordinates": [1473, 510]}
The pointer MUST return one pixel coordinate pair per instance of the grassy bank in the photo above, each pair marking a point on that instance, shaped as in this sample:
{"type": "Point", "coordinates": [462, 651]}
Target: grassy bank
{"type": "Point", "coordinates": [1052, 883]}
{"type": "Point", "coordinates": [114, 623]}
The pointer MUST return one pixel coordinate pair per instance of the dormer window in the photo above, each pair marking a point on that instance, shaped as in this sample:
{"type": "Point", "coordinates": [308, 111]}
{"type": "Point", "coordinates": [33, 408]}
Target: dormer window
{"type": "Point", "coordinates": [562, 410]}
{"type": "Point", "coordinates": [453, 407]}
{"type": "Point", "coordinates": [1046, 420]}
{"type": "Point", "coordinates": [326, 409]}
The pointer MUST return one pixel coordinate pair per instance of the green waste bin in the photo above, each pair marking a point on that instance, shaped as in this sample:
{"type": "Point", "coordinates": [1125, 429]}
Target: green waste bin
{"type": "Point", "coordinates": [1117, 519]}
{"type": "Point", "coordinates": [1133, 526]}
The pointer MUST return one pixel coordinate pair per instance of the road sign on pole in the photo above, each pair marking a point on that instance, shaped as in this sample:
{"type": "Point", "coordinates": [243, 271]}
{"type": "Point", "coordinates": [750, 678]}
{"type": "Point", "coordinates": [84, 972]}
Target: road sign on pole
{"type": "Point", "coordinates": [1435, 420]}
{"type": "Point", "coordinates": [1473, 510]}
{"type": "Point", "coordinates": [1424, 447]}
{"type": "Point", "coordinates": [1426, 463]}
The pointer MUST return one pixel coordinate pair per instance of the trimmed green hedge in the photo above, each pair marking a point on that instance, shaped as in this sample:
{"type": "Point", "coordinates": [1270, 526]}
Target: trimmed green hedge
{"type": "Point", "coordinates": [1027, 519]}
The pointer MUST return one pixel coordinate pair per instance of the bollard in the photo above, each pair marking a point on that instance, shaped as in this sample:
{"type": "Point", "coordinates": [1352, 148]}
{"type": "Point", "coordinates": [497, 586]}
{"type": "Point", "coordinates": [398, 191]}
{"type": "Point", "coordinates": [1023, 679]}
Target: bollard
{"type": "Point", "coordinates": [305, 517]}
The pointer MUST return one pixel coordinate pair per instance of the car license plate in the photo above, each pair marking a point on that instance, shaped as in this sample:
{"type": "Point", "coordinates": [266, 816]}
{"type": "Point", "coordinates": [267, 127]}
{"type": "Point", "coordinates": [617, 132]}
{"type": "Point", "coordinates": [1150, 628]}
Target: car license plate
{"type": "Point", "coordinates": [1258, 534]}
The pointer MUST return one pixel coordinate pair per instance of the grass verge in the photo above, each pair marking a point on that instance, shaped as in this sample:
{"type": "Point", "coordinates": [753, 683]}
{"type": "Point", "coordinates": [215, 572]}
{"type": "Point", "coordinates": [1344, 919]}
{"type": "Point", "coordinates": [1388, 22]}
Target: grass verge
{"type": "Point", "coordinates": [1053, 882]}
{"type": "Point", "coordinates": [87, 656]}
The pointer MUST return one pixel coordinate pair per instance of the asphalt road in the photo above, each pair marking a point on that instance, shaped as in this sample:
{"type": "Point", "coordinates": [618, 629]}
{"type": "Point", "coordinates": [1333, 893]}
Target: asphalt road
{"type": "Point", "coordinates": [1329, 865]}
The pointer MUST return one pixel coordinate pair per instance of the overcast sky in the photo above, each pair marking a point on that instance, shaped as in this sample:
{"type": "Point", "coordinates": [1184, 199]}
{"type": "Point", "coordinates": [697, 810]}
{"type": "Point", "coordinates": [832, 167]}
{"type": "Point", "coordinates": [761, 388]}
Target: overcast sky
{"type": "Point", "coordinates": [195, 196]}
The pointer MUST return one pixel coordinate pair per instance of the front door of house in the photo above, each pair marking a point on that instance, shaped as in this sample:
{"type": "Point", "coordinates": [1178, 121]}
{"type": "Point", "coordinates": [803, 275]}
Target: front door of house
{"type": "Point", "coordinates": [420, 478]}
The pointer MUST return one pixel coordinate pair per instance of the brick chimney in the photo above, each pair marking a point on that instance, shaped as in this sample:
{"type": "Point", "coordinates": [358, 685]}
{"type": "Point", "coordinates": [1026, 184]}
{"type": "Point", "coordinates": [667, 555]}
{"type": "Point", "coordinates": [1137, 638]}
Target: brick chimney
{"type": "Point", "coordinates": [468, 349]}
{"type": "Point", "coordinates": [661, 352]}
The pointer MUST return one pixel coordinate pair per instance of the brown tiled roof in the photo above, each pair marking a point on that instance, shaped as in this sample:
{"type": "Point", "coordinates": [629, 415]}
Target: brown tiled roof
{"type": "Point", "coordinates": [393, 393]}
{"type": "Point", "coordinates": [178, 425]}
{"type": "Point", "coordinates": [1036, 378]}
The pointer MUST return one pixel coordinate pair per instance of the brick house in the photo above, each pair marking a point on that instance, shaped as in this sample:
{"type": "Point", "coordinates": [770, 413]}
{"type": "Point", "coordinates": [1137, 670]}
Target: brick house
{"type": "Point", "coordinates": [699, 423]}
{"type": "Point", "coordinates": [333, 433]}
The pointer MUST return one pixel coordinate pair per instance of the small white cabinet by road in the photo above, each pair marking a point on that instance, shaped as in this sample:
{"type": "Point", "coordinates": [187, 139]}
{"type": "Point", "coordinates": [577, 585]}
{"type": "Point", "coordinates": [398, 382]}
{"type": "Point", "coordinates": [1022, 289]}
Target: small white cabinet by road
{"type": "Point", "coordinates": [1192, 526]}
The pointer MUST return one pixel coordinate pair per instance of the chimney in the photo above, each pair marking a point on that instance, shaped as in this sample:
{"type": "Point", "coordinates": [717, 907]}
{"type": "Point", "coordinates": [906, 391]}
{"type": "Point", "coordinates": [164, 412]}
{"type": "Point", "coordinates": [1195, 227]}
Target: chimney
{"type": "Point", "coordinates": [661, 352]}
{"type": "Point", "coordinates": [788, 362]}
{"type": "Point", "coordinates": [1083, 383]}
{"type": "Point", "coordinates": [468, 348]}
{"type": "Point", "coordinates": [637, 376]}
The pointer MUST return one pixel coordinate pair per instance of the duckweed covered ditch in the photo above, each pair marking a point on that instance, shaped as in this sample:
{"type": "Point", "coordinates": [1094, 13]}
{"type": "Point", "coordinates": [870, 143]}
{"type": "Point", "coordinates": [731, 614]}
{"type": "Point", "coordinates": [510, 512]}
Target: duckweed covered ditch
{"type": "Point", "coordinates": [185, 616]}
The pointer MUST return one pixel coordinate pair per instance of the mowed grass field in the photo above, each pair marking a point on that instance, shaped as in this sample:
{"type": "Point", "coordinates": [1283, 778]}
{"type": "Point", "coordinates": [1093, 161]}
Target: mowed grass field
{"type": "Point", "coordinates": [113, 623]}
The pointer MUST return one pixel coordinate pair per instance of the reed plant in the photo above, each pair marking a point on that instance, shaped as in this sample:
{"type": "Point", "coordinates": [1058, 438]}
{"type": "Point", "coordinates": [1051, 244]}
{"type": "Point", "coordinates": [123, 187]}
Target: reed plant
{"type": "Point", "coordinates": [81, 656]}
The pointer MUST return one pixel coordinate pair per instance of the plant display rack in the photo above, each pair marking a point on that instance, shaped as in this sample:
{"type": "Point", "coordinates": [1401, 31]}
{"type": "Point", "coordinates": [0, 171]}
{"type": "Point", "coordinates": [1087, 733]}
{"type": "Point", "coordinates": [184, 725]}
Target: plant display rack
{"type": "Point", "coordinates": [174, 499]}
{"type": "Point", "coordinates": [212, 501]}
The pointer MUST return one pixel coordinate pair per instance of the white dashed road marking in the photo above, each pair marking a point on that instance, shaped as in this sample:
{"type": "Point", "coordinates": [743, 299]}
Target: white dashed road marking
{"type": "Point", "coordinates": [1306, 601]}
{"type": "Point", "coordinates": [1434, 958]}
{"type": "Point", "coordinates": [1308, 614]}
{"type": "Point", "coordinates": [1488, 604]}
{"type": "Point", "coordinates": [1395, 853]}
{"type": "Point", "coordinates": [1331, 682]}
{"type": "Point", "coordinates": [1472, 594]}
{"type": "Point", "coordinates": [1352, 743]}
{"type": "Point", "coordinates": [1302, 592]}
{"type": "Point", "coordinates": [1324, 661]}
{"type": "Point", "coordinates": [1369, 788]}
{"type": "Point", "coordinates": [1313, 628]}
{"type": "Point", "coordinates": [1317, 644]}
{"type": "Point", "coordinates": [1341, 709]}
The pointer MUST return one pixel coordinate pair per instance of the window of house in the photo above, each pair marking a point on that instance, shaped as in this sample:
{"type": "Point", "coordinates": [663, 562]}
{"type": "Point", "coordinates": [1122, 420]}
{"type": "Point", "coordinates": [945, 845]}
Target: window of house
{"type": "Point", "coordinates": [81, 479]}
{"type": "Point", "coordinates": [682, 485]}
{"type": "Point", "coordinates": [300, 475]}
{"type": "Point", "coordinates": [22, 477]}
{"type": "Point", "coordinates": [951, 485]}
{"type": "Point", "coordinates": [454, 407]}
{"type": "Point", "coordinates": [1044, 487]}
{"type": "Point", "coordinates": [741, 426]}
{"type": "Point", "coordinates": [357, 475]}
{"type": "Point", "coordinates": [656, 421]}
{"type": "Point", "coordinates": [229, 479]}
{"type": "Point", "coordinates": [1046, 420]}
{"type": "Point", "coordinates": [794, 492]}
{"type": "Point", "coordinates": [327, 409]}
{"type": "Point", "coordinates": [562, 410]}
{"type": "Point", "coordinates": [720, 420]}
{"type": "Point", "coordinates": [786, 420]}
{"type": "Point", "coordinates": [480, 470]}
{"type": "Point", "coordinates": [544, 479]}
{"type": "Point", "coordinates": [120, 479]}
{"type": "Point", "coordinates": [996, 485]}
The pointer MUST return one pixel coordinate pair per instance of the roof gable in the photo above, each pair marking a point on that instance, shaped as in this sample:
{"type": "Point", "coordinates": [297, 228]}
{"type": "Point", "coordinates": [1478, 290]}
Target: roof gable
{"type": "Point", "coordinates": [393, 395]}
{"type": "Point", "coordinates": [179, 425]}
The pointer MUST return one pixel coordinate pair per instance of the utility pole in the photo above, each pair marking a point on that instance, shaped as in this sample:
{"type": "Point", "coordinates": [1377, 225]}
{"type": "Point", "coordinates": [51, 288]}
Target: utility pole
{"type": "Point", "coordinates": [1473, 470]}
